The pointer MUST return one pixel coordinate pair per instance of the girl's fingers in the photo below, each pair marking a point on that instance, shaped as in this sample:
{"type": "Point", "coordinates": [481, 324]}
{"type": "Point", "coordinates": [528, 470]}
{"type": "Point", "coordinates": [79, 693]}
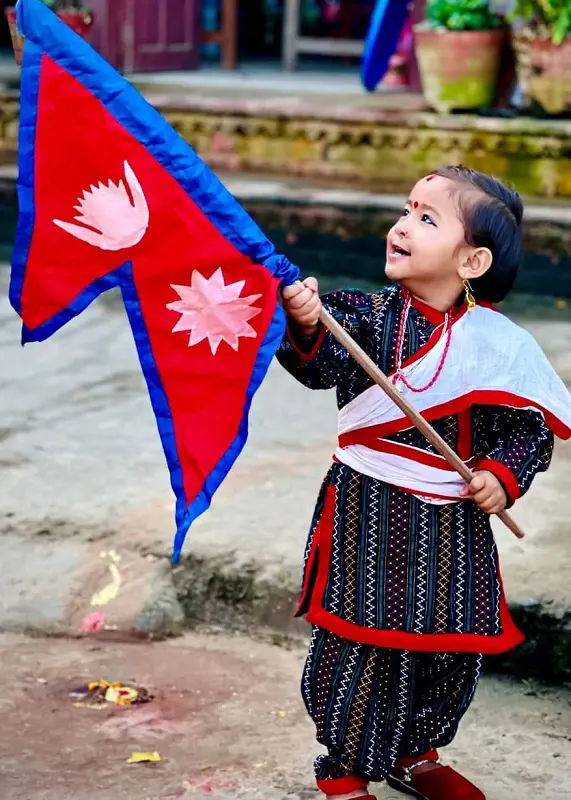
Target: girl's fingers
{"type": "Point", "coordinates": [289, 292]}
{"type": "Point", "coordinates": [477, 484]}
{"type": "Point", "coordinates": [492, 504]}
{"type": "Point", "coordinates": [312, 306]}
{"type": "Point", "coordinates": [311, 317]}
{"type": "Point", "coordinates": [483, 496]}
{"type": "Point", "coordinates": [299, 300]}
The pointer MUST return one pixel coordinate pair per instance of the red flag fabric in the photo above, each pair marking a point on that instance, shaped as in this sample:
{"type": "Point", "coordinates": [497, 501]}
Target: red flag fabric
{"type": "Point", "coordinates": [111, 196]}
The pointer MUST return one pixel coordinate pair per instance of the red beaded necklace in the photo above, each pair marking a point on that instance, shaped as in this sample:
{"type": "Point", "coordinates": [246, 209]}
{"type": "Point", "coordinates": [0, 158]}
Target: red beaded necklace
{"type": "Point", "coordinates": [398, 378]}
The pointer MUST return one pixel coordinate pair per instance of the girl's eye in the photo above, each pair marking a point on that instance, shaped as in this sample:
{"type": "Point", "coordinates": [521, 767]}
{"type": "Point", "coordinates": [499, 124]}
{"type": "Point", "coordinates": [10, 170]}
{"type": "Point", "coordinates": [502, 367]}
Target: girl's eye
{"type": "Point", "coordinates": [426, 218]}
{"type": "Point", "coordinates": [406, 212]}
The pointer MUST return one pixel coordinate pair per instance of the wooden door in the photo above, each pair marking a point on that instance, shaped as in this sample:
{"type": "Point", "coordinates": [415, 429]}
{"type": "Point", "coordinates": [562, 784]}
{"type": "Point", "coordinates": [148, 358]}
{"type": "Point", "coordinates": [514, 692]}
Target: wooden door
{"type": "Point", "coordinates": [161, 35]}
{"type": "Point", "coordinates": [106, 35]}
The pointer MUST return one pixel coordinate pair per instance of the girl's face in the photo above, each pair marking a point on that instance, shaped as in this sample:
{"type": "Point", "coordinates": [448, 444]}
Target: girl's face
{"type": "Point", "coordinates": [427, 248]}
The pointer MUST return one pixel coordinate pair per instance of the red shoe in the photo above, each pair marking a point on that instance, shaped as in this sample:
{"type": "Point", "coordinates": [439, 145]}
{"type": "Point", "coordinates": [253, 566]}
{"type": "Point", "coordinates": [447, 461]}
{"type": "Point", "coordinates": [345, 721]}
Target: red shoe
{"type": "Point", "coordinates": [443, 783]}
{"type": "Point", "coordinates": [351, 783]}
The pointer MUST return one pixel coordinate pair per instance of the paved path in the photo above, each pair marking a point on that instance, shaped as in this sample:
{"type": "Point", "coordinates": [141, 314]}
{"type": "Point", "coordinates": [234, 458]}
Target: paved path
{"type": "Point", "coordinates": [82, 471]}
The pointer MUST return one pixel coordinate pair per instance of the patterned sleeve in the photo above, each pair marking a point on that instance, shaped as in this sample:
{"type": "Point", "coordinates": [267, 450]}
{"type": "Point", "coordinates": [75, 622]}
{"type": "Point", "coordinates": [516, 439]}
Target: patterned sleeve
{"type": "Point", "coordinates": [516, 446]}
{"type": "Point", "coordinates": [320, 362]}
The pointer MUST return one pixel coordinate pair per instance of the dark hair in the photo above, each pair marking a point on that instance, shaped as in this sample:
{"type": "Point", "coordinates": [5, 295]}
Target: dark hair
{"type": "Point", "coordinates": [492, 218]}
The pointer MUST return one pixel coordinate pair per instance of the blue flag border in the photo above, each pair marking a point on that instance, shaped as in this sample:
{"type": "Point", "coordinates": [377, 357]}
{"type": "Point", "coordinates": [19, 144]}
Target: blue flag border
{"type": "Point", "coordinates": [45, 34]}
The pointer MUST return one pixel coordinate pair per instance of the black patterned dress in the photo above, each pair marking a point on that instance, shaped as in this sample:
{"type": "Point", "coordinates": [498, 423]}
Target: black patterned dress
{"type": "Point", "coordinates": [404, 595]}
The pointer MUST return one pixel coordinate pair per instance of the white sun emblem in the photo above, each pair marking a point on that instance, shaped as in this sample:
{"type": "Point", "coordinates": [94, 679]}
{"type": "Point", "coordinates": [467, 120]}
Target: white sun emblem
{"type": "Point", "coordinates": [212, 310]}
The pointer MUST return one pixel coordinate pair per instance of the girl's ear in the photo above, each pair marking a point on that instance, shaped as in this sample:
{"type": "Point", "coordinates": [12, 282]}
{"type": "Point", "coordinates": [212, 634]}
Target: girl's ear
{"type": "Point", "coordinates": [476, 265]}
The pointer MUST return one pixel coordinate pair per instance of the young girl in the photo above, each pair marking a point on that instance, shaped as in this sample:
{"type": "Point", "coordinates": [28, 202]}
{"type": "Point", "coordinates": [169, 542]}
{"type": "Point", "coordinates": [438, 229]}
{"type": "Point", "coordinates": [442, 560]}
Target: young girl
{"type": "Point", "coordinates": [401, 582]}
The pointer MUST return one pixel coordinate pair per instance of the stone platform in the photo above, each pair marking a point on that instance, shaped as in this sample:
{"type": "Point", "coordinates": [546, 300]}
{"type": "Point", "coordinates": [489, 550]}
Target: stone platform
{"type": "Point", "coordinates": [384, 142]}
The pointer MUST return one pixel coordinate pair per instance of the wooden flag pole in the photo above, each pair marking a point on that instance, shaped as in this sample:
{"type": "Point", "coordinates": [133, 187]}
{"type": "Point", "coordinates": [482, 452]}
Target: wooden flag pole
{"type": "Point", "coordinates": [409, 411]}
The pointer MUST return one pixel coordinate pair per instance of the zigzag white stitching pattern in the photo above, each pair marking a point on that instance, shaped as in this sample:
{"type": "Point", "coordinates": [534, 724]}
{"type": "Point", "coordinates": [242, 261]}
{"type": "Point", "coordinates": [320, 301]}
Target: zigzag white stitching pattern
{"type": "Point", "coordinates": [342, 692]}
{"type": "Point", "coordinates": [359, 710]}
{"type": "Point", "coordinates": [444, 557]}
{"type": "Point", "coordinates": [352, 517]}
{"type": "Point", "coordinates": [402, 705]}
{"type": "Point", "coordinates": [460, 540]}
{"type": "Point", "coordinates": [371, 563]}
{"type": "Point", "coordinates": [497, 593]}
{"type": "Point", "coordinates": [478, 670]}
{"type": "Point", "coordinates": [458, 686]}
{"type": "Point", "coordinates": [422, 577]}
{"type": "Point", "coordinates": [309, 543]}
{"type": "Point", "coordinates": [380, 302]}
{"type": "Point", "coordinates": [306, 681]}
{"type": "Point", "coordinates": [372, 750]}
{"type": "Point", "coordinates": [533, 467]}
{"type": "Point", "coordinates": [336, 574]}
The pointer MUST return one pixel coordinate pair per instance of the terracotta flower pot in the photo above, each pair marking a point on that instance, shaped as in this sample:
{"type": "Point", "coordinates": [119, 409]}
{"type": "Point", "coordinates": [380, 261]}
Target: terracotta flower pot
{"type": "Point", "coordinates": [79, 20]}
{"type": "Point", "coordinates": [549, 72]}
{"type": "Point", "coordinates": [458, 69]}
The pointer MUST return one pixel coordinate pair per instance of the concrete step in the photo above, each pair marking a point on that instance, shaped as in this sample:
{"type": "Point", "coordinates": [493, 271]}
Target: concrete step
{"type": "Point", "coordinates": [338, 231]}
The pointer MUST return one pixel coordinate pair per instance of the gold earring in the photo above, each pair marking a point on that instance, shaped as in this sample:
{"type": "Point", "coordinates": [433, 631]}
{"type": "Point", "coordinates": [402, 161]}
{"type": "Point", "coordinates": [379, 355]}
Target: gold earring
{"type": "Point", "coordinates": [470, 299]}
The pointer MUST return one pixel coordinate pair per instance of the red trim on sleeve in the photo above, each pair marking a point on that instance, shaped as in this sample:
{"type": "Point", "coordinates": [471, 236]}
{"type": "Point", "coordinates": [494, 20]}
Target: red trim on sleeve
{"type": "Point", "coordinates": [305, 356]}
{"type": "Point", "coordinates": [504, 475]}
{"type": "Point", "coordinates": [342, 785]}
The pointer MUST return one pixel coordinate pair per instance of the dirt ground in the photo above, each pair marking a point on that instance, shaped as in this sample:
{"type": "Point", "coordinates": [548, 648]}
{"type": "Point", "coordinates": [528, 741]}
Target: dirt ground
{"type": "Point", "coordinates": [228, 722]}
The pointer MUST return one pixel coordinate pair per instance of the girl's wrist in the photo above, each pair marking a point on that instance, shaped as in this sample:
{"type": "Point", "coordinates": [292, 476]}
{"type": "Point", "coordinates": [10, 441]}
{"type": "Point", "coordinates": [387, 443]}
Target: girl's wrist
{"type": "Point", "coordinates": [308, 331]}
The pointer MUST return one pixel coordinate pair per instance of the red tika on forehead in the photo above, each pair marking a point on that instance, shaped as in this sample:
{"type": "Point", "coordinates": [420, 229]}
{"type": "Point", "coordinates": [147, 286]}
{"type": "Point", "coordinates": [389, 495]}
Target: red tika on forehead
{"type": "Point", "coordinates": [430, 177]}
{"type": "Point", "coordinates": [416, 203]}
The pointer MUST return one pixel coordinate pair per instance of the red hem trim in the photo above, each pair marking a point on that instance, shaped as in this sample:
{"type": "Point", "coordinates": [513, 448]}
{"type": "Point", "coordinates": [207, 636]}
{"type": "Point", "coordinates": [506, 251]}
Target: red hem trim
{"type": "Point", "coordinates": [314, 350]}
{"type": "Point", "coordinates": [400, 640]}
{"type": "Point", "coordinates": [457, 406]}
{"type": "Point", "coordinates": [342, 785]}
{"type": "Point", "coordinates": [421, 642]}
{"type": "Point", "coordinates": [325, 521]}
{"type": "Point", "coordinates": [504, 475]}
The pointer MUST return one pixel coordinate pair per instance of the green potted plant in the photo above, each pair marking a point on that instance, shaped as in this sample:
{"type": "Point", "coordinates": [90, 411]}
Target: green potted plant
{"type": "Point", "coordinates": [72, 12]}
{"type": "Point", "coordinates": [542, 43]}
{"type": "Point", "coordinates": [458, 49]}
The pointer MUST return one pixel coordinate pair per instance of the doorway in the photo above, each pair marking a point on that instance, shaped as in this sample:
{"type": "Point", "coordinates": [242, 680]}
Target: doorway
{"type": "Point", "coordinates": [5, 41]}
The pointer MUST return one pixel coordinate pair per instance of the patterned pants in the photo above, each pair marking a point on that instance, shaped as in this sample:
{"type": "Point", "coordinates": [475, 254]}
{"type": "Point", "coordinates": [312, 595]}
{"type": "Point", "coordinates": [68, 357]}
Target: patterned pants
{"type": "Point", "coordinates": [372, 705]}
